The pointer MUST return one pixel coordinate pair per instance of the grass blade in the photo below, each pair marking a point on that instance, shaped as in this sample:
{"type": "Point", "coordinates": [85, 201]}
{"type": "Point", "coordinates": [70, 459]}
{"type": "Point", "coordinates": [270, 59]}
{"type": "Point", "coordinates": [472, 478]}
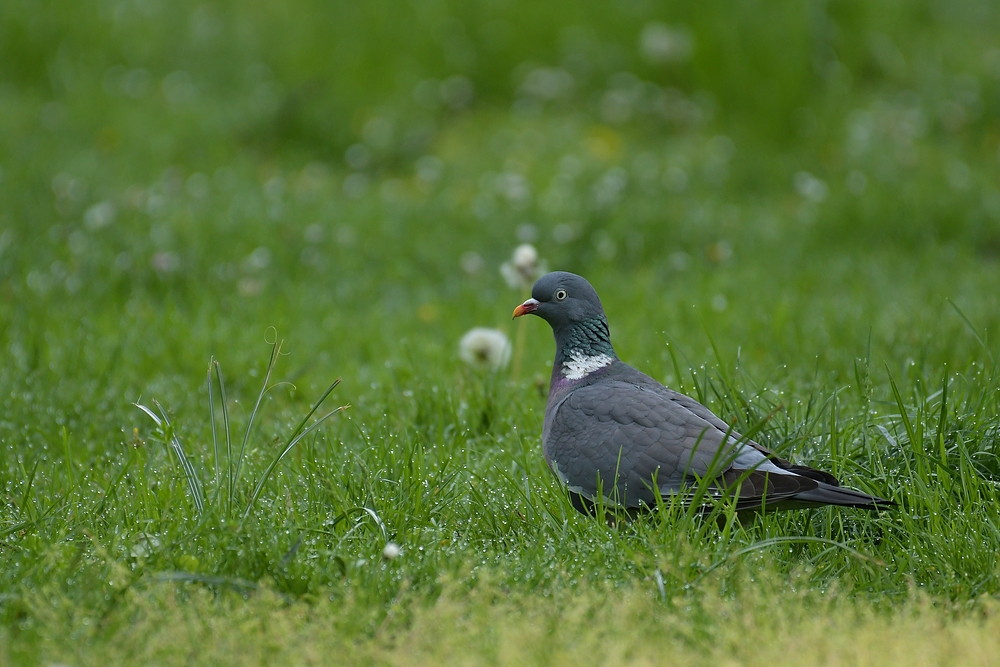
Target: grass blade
{"type": "Point", "coordinates": [229, 438]}
{"type": "Point", "coordinates": [69, 458]}
{"type": "Point", "coordinates": [175, 444]}
{"type": "Point", "coordinates": [211, 414]}
{"type": "Point", "coordinates": [907, 424]}
{"type": "Point", "coordinates": [26, 496]}
{"type": "Point", "coordinates": [275, 351]}
{"type": "Point", "coordinates": [315, 407]}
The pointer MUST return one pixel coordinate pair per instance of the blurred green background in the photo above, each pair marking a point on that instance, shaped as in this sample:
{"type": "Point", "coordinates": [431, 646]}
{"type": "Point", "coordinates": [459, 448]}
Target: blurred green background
{"type": "Point", "coordinates": [308, 162]}
{"type": "Point", "coordinates": [782, 196]}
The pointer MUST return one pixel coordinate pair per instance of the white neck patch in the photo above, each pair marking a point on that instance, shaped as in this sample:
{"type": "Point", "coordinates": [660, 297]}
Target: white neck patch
{"type": "Point", "coordinates": [580, 365]}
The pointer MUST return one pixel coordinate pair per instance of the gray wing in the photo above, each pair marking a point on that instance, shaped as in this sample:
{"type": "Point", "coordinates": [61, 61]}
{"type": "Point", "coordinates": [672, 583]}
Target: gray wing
{"type": "Point", "coordinates": [623, 436]}
{"type": "Point", "coordinates": [706, 414]}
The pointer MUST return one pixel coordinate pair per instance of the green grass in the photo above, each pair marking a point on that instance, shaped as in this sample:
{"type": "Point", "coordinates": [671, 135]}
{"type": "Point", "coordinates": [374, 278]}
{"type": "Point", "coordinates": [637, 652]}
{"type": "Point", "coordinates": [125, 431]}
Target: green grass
{"type": "Point", "coordinates": [801, 220]}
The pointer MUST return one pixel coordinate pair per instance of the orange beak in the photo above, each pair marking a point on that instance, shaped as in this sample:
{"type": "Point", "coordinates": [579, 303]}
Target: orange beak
{"type": "Point", "coordinates": [528, 306]}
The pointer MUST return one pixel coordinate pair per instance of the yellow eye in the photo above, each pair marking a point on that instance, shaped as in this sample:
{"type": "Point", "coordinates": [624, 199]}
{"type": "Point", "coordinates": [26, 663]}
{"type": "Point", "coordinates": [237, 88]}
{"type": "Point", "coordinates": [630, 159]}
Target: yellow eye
{"type": "Point", "coordinates": [560, 294]}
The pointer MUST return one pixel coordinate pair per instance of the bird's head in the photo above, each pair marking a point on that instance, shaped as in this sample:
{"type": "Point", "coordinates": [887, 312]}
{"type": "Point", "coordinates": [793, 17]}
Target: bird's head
{"type": "Point", "coordinates": [561, 299]}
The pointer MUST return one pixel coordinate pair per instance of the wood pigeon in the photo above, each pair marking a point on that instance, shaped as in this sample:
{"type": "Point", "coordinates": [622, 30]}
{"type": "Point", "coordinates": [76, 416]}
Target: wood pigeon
{"type": "Point", "coordinates": [610, 427]}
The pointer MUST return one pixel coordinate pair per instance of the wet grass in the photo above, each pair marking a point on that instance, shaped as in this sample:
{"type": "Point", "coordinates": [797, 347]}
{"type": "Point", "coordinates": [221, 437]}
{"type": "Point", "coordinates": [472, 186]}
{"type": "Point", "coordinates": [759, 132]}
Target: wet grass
{"type": "Point", "coordinates": [809, 235]}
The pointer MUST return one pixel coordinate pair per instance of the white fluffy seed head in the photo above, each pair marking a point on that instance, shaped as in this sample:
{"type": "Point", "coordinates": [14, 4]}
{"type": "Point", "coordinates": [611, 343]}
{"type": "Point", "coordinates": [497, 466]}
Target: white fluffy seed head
{"type": "Point", "coordinates": [524, 267]}
{"type": "Point", "coordinates": [525, 257]}
{"type": "Point", "coordinates": [485, 348]}
{"type": "Point", "coordinates": [391, 551]}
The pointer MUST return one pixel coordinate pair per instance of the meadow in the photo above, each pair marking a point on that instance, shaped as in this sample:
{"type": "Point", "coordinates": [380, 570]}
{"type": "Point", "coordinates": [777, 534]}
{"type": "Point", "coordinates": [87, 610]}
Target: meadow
{"type": "Point", "coordinates": [791, 211]}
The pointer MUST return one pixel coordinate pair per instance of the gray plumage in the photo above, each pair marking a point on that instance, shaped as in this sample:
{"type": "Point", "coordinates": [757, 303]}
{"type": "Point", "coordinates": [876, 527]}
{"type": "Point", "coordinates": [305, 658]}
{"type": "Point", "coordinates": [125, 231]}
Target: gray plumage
{"type": "Point", "coordinates": [612, 427]}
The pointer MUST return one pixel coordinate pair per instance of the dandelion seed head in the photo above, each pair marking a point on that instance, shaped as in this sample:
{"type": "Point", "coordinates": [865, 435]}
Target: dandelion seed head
{"type": "Point", "coordinates": [524, 267]}
{"type": "Point", "coordinates": [525, 257]}
{"type": "Point", "coordinates": [485, 348]}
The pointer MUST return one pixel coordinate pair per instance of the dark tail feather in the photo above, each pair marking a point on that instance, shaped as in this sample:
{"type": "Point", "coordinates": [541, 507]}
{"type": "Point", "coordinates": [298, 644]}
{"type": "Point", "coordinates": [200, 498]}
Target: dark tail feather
{"type": "Point", "coordinates": [826, 494]}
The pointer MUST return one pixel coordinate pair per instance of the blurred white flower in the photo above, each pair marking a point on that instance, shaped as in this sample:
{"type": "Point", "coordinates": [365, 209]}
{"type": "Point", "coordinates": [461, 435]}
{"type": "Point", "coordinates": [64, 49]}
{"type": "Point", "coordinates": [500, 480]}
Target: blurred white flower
{"type": "Point", "coordinates": [258, 260]}
{"type": "Point", "coordinates": [610, 186]}
{"type": "Point", "coordinates": [548, 83]}
{"type": "Point", "coordinates": [679, 260]}
{"type": "Point", "coordinates": [457, 92]}
{"type": "Point", "coordinates": [605, 245]}
{"type": "Point", "coordinates": [472, 263]}
{"type": "Point", "coordinates": [564, 233]}
{"type": "Point", "coordinates": [391, 551]}
{"type": "Point", "coordinates": [675, 179]}
{"type": "Point", "coordinates": [485, 348]}
{"type": "Point", "coordinates": [660, 43]}
{"type": "Point", "coordinates": [959, 176]}
{"type": "Point", "coordinates": [524, 267]}
{"type": "Point", "coordinates": [810, 187]}
{"type": "Point", "coordinates": [358, 157]}
{"type": "Point", "coordinates": [144, 546]}
{"type": "Point", "coordinates": [514, 187]}
{"type": "Point", "coordinates": [99, 215]}
{"type": "Point", "coordinates": [378, 132]}
{"type": "Point", "coordinates": [429, 169]}
{"type": "Point", "coordinates": [165, 262]}
{"type": "Point", "coordinates": [179, 88]}
{"type": "Point", "coordinates": [356, 185]}
{"type": "Point", "coordinates": [314, 233]}
{"type": "Point", "coordinates": [527, 232]}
